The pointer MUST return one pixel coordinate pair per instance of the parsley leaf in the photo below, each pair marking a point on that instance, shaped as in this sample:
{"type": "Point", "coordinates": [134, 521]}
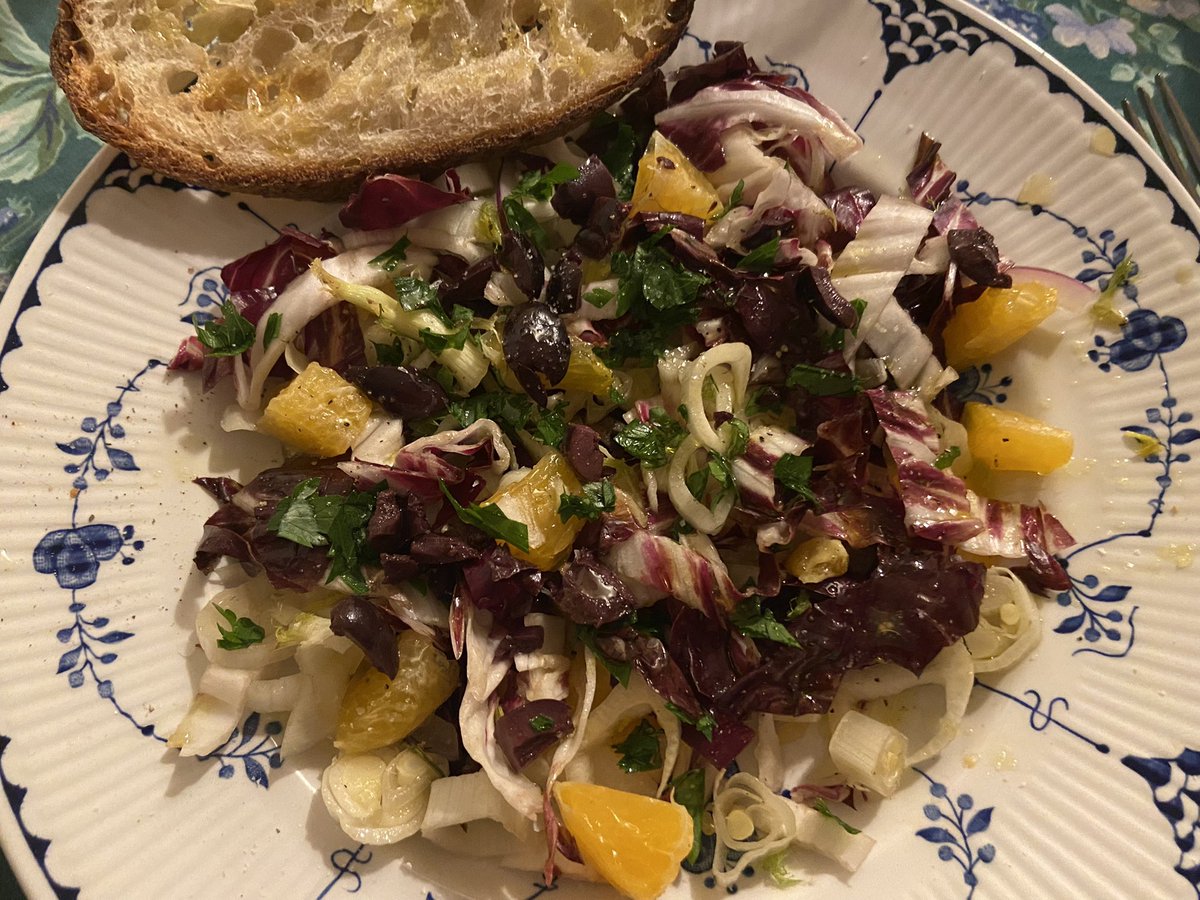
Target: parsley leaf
{"type": "Point", "coordinates": [860, 307]}
{"type": "Point", "coordinates": [310, 519]}
{"type": "Point", "coordinates": [705, 724]}
{"type": "Point", "coordinates": [822, 382]}
{"type": "Point", "coordinates": [295, 519]}
{"type": "Point", "coordinates": [599, 297]}
{"type": "Point", "coordinates": [1104, 310]}
{"type": "Point", "coordinates": [232, 336]}
{"type": "Point", "coordinates": [490, 519]}
{"type": "Point", "coordinates": [416, 293]}
{"type": "Point", "coordinates": [456, 338]}
{"type": "Point", "coordinates": [640, 751]}
{"type": "Point", "coordinates": [521, 220]}
{"type": "Point", "coordinates": [391, 258]}
{"type": "Point", "coordinates": [598, 497]}
{"type": "Point", "coordinates": [620, 153]}
{"type": "Point", "coordinates": [652, 442]}
{"type": "Point", "coordinates": [550, 428]}
{"type": "Point", "coordinates": [697, 482]}
{"type": "Point", "coordinates": [823, 808]}
{"type": "Point", "coordinates": [754, 622]}
{"type": "Point", "coordinates": [240, 634]}
{"type": "Point", "coordinates": [389, 354]}
{"type": "Point", "coordinates": [652, 275]}
{"type": "Point", "coordinates": [271, 332]}
{"type": "Point", "coordinates": [688, 791]}
{"type": "Point", "coordinates": [795, 472]}
{"type": "Point", "coordinates": [800, 605]}
{"type": "Point", "coordinates": [739, 437]}
{"type": "Point", "coordinates": [541, 185]}
{"type": "Point", "coordinates": [761, 259]}
{"type": "Point", "coordinates": [735, 199]}
{"type": "Point", "coordinates": [510, 411]}
{"type": "Point", "coordinates": [540, 723]}
{"type": "Point", "coordinates": [946, 458]}
{"type": "Point", "coordinates": [619, 669]}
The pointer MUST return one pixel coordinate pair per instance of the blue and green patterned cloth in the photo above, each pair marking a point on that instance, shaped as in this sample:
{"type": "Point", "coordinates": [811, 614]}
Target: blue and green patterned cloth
{"type": "Point", "coordinates": [1114, 46]}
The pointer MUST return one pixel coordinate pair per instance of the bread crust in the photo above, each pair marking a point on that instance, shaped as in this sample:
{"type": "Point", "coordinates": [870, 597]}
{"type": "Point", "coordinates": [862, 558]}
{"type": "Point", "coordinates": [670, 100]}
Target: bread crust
{"type": "Point", "coordinates": [334, 179]}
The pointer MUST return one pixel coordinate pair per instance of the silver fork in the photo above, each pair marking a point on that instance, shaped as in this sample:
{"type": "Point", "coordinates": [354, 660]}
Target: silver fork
{"type": "Point", "coordinates": [1169, 145]}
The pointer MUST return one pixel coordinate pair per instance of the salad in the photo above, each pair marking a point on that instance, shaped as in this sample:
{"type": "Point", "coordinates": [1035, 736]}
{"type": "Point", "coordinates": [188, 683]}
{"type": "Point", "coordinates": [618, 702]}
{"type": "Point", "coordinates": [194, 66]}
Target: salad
{"type": "Point", "coordinates": [628, 507]}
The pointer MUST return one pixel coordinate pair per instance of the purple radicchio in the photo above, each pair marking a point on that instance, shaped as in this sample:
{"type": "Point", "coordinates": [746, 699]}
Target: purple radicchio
{"type": "Point", "coordinates": [277, 264]}
{"type": "Point", "coordinates": [388, 201]}
{"type": "Point", "coordinates": [660, 564]}
{"type": "Point", "coordinates": [936, 505]}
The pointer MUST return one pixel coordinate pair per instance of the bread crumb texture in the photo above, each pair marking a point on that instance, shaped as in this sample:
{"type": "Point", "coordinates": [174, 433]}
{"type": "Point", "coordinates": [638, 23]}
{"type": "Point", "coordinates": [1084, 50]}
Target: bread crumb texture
{"type": "Point", "coordinates": [247, 85]}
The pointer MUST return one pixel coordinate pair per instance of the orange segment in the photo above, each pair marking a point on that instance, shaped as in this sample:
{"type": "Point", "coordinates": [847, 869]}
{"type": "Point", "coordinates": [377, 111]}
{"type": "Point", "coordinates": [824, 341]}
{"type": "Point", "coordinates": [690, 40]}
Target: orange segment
{"type": "Point", "coordinates": [1004, 440]}
{"type": "Point", "coordinates": [377, 711]}
{"type": "Point", "coordinates": [533, 500]}
{"type": "Point", "coordinates": [979, 330]}
{"type": "Point", "coordinates": [668, 182]}
{"type": "Point", "coordinates": [635, 843]}
{"type": "Point", "coordinates": [319, 413]}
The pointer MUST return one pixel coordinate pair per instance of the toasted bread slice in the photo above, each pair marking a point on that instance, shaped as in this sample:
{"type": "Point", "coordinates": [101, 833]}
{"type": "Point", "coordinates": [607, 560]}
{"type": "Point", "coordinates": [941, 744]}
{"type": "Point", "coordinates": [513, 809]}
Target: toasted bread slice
{"type": "Point", "coordinates": [307, 97]}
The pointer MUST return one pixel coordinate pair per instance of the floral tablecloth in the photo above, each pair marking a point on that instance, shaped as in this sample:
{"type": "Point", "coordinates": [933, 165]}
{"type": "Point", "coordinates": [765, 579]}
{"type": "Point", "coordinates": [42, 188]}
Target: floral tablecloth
{"type": "Point", "coordinates": [1114, 46]}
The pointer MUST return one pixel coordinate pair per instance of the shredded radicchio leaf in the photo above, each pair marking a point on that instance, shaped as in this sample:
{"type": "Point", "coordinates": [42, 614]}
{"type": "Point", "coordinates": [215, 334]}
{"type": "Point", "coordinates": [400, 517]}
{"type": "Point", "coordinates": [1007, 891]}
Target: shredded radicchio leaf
{"type": "Point", "coordinates": [372, 629]}
{"type": "Point", "coordinates": [727, 61]}
{"type": "Point", "coordinates": [526, 731]}
{"type": "Point", "coordinates": [275, 265]}
{"type": "Point", "coordinates": [388, 201]}
{"type": "Point", "coordinates": [930, 180]}
{"type": "Point", "coordinates": [850, 206]}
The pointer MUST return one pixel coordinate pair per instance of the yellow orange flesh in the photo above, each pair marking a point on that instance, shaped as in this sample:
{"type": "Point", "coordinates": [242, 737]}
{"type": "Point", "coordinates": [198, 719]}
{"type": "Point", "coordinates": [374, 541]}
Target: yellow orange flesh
{"type": "Point", "coordinates": [319, 413]}
{"type": "Point", "coordinates": [1001, 316]}
{"type": "Point", "coordinates": [634, 842]}
{"type": "Point", "coordinates": [1004, 440]}
{"type": "Point", "coordinates": [668, 182]}
{"type": "Point", "coordinates": [534, 500]}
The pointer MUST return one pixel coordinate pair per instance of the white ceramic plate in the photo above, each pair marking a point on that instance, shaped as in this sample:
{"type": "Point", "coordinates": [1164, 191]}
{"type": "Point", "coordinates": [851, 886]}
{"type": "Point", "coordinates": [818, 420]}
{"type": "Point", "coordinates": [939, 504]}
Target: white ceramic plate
{"type": "Point", "coordinates": [1078, 774]}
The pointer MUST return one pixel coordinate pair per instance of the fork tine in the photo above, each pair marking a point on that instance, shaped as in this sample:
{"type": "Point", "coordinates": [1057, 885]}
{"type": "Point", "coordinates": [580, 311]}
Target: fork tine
{"type": "Point", "coordinates": [1187, 136]}
{"type": "Point", "coordinates": [1166, 144]}
{"type": "Point", "coordinates": [1135, 120]}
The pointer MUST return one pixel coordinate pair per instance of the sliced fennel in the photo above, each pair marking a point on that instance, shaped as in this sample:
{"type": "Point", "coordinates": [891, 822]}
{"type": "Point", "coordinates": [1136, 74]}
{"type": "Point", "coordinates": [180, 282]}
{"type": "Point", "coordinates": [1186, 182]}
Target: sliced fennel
{"type": "Point", "coordinates": [379, 797]}
{"type": "Point", "coordinates": [1010, 625]}
{"type": "Point", "coordinates": [468, 365]}
{"type": "Point", "coordinates": [869, 754]}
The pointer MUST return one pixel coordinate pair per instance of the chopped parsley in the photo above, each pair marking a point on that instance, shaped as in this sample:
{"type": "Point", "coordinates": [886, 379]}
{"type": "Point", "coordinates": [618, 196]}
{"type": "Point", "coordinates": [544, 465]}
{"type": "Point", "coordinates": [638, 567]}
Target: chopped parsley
{"type": "Point", "coordinates": [540, 185]}
{"type": "Point", "coordinates": [456, 338]}
{"type": "Point", "coordinates": [240, 634]}
{"type": "Point", "coordinates": [599, 297]}
{"type": "Point", "coordinates": [754, 622]}
{"type": "Point", "coordinates": [521, 220]}
{"type": "Point", "coordinates": [541, 723]}
{"type": "Point", "coordinates": [822, 382]}
{"type": "Point", "coordinates": [640, 751]}
{"type": "Point", "coordinates": [823, 808]}
{"type": "Point", "coordinates": [739, 437]}
{"type": "Point", "coordinates": [490, 519]}
{"type": "Point", "coordinates": [391, 258]}
{"type": "Point", "coordinates": [735, 199]}
{"type": "Point", "coordinates": [795, 473]}
{"type": "Point", "coordinates": [597, 497]}
{"type": "Point", "coordinates": [652, 442]}
{"type": "Point", "coordinates": [800, 605]}
{"type": "Point", "coordinates": [338, 521]}
{"type": "Point", "coordinates": [389, 354]}
{"type": "Point", "coordinates": [651, 275]}
{"type": "Point", "coordinates": [705, 724]}
{"type": "Point", "coordinates": [620, 152]}
{"type": "Point", "coordinates": [271, 332]}
{"type": "Point", "coordinates": [233, 335]}
{"type": "Point", "coordinates": [619, 669]}
{"type": "Point", "coordinates": [416, 294]}
{"type": "Point", "coordinates": [946, 458]}
{"type": "Point", "coordinates": [688, 791]}
{"type": "Point", "coordinates": [761, 259]}
{"type": "Point", "coordinates": [513, 413]}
